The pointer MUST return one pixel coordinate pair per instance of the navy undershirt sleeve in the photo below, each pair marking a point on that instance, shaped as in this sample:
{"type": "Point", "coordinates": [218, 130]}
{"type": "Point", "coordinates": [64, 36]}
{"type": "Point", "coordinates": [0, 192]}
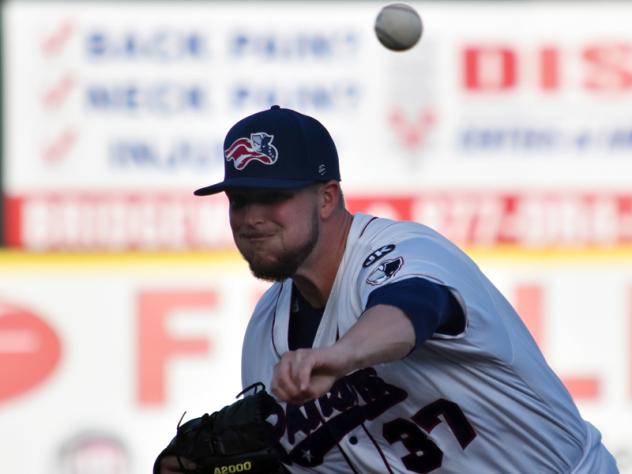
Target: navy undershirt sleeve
{"type": "Point", "coordinates": [431, 307]}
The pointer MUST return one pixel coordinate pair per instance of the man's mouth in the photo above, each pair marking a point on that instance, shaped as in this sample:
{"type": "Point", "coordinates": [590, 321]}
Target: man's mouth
{"type": "Point", "coordinates": [255, 237]}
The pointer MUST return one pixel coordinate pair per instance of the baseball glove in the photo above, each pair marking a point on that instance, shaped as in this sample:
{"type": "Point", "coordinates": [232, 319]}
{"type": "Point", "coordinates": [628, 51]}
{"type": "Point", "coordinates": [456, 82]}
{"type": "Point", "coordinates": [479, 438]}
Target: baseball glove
{"type": "Point", "coordinates": [233, 439]}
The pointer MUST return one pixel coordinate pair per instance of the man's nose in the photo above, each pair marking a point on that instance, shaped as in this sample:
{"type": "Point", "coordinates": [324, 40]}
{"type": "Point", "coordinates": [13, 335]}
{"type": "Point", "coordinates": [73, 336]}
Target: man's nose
{"type": "Point", "coordinates": [253, 214]}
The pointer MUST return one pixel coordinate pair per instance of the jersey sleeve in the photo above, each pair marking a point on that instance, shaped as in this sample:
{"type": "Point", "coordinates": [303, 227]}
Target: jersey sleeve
{"type": "Point", "coordinates": [429, 306]}
{"type": "Point", "coordinates": [414, 275]}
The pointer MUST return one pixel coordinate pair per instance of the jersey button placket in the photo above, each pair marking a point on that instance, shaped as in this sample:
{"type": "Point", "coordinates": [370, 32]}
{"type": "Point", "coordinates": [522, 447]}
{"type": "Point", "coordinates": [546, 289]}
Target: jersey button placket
{"type": "Point", "coordinates": [353, 440]}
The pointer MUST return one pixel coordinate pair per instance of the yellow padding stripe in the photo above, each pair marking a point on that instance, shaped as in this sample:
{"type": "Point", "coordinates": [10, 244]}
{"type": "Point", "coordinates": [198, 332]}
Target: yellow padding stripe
{"type": "Point", "coordinates": [562, 255]}
{"type": "Point", "coordinates": [13, 259]}
{"type": "Point", "coordinates": [34, 259]}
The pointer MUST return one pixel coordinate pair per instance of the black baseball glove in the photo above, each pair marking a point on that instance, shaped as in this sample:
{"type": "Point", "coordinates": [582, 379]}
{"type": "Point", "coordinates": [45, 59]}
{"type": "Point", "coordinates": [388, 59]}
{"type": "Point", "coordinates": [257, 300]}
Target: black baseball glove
{"type": "Point", "coordinates": [233, 439]}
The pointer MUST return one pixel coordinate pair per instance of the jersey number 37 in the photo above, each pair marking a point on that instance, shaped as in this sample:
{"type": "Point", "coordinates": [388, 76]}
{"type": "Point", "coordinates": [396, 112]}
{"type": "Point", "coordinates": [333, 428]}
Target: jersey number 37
{"type": "Point", "coordinates": [425, 455]}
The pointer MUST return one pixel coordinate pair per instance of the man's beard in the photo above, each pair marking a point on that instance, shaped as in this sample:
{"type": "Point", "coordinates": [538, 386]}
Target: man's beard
{"type": "Point", "coordinates": [289, 262]}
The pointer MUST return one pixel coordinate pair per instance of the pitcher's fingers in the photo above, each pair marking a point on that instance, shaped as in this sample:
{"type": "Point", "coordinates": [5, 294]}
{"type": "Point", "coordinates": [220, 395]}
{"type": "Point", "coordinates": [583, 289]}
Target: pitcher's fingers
{"type": "Point", "coordinates": [300, 362]}
{"type": "Point", "coordinates": [282, 384]}
{"type": "Point", "coordinates": [305, 374]}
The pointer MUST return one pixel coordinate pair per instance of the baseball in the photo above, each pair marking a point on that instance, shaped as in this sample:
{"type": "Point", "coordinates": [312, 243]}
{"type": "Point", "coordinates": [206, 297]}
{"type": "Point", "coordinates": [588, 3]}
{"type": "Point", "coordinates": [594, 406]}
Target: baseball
{"type": "Point", "coordinates": [398, 26]}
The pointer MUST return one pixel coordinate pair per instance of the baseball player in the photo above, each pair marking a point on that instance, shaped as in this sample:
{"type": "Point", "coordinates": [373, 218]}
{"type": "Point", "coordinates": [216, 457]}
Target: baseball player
{"type": "Point", "coordinates": [387, 348]}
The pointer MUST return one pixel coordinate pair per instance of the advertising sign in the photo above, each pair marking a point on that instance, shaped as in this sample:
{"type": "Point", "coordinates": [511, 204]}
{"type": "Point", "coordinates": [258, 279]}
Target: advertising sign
{"type": "Point", "coordinates": [119, 98]}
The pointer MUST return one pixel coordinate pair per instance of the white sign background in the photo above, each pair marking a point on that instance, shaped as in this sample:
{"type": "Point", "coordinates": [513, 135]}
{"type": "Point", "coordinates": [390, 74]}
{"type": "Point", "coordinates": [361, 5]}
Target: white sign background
{"type": "Point", "coordinates": [562, 121]}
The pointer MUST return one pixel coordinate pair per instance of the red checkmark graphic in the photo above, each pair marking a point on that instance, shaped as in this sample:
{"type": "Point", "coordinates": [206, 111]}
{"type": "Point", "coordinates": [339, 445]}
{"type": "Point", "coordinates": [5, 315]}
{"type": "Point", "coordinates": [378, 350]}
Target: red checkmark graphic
{"type": "Point", "coordinates": [412, 134]}
{"type": "Point", "coordinates": [56, 40]}
{"type": "Point", "coordinates": [59, 148]}
{"type": "Point", "coordinates": [59, 91]}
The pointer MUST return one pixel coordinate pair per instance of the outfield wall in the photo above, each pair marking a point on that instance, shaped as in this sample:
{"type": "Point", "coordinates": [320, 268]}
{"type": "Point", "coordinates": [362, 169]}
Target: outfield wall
{"type": "Point", "coordinates": [105, 352]}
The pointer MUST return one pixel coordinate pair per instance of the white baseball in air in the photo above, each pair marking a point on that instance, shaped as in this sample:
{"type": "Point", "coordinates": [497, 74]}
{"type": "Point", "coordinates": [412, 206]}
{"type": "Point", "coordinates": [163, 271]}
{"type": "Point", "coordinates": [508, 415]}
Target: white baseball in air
{"type": "Point", "coordinates": [398, 26]}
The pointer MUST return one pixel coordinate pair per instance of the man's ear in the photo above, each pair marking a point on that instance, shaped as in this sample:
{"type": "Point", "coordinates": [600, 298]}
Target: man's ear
{"type": "Point", "coordinates": [329, 198]}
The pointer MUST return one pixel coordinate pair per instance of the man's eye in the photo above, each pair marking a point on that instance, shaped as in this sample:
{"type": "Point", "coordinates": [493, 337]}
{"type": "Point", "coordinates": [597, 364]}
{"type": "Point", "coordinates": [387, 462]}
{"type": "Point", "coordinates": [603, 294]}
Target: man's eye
{"type": "Point", "coordinates": [236, 203]}
{"type": "Point", "coordinates": [275, 198]}
{"type": "Point", "coordinates": [264, 199]}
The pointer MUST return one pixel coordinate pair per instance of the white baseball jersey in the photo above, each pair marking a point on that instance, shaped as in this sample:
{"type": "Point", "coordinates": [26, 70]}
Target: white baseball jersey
{"type": "Point", "coordinates": [482, 401]}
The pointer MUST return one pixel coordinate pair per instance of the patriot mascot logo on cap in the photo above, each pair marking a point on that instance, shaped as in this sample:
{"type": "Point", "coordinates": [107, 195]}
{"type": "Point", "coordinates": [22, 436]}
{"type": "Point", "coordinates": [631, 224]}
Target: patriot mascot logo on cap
{"type": "Point", "coordinates": [258, 147]}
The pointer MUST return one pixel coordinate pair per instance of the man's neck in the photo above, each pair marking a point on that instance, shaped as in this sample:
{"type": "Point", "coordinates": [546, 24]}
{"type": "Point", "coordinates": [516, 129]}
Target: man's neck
{"type": "Point", "coordinates": [315, 279]}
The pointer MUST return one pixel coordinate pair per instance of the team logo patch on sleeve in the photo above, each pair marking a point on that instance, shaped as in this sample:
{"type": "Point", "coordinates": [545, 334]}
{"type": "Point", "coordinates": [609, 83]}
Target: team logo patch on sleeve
{"type": "Point", "coordinates": [379, 253]}
{"type": "Point", "coordinates": [385, 271]}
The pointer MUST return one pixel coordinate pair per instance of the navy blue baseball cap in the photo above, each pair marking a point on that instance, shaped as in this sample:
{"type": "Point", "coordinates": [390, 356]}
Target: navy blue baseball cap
{"type": "Point", "coordinates": [276, 148]}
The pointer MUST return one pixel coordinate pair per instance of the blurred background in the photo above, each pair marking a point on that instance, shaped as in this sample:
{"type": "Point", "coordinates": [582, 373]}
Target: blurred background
{"type": "Point", "coordinates": [122, 301]}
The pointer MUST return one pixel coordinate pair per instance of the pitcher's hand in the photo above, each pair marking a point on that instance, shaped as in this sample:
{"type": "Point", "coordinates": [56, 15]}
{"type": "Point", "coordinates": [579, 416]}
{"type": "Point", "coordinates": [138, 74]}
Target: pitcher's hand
{"type": "Point", "coordinates": [306, 374]}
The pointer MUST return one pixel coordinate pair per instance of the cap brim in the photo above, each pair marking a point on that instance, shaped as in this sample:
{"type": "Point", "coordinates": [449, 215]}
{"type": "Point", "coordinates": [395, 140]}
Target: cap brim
{"type": "Point", "coordinates": [252, 183]}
